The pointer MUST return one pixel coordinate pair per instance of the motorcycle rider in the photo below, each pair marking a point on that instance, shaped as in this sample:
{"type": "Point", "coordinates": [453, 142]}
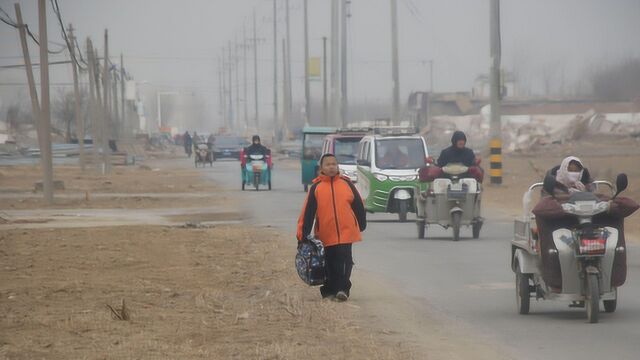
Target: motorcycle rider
{"type": "Point", "coordinates": [457, 152]}
{"type": "Point", "coordinates": [256, 148]}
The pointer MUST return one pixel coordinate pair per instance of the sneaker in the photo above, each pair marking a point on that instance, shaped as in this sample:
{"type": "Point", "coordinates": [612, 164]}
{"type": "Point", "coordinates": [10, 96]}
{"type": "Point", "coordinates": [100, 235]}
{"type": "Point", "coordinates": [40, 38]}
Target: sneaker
{"type": "Point", "coordinates": [342, 296]}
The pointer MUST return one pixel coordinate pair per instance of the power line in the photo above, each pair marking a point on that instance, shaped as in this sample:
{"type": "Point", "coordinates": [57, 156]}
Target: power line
{"type": "Point", "coordinates": [14, 25]}
{"type": "Point", "coordinates": [56, 10]}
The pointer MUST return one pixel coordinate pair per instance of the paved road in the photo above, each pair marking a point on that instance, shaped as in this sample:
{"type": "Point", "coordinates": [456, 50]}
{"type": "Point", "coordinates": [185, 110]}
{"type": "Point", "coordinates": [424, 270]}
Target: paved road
{"type": "Point", "coordinates": [468, 282]}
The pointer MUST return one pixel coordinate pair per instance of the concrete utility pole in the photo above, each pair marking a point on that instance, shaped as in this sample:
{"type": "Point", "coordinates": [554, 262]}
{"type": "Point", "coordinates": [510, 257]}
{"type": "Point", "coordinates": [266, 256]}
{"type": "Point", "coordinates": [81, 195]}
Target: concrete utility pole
{"type": "Point", "coordinates": [325, 107]}
{"type": "Point", "coordinates": [225, 109]}
{"type": "Point", "coordinates": [395, 73]}
{"type": "Point", "coordinates": [236, 63]}
{"type": "Point", "coordinates": [116, 112]}
{"type": "Point", "coordinates": [288, 70]}
{"type": "Point", "coordinates": [123, 117]}
{"type": "Point", "coordinates": [220, 89]}
{"type": "Point", "coordinates": [45, 116]}
{"type": "Point", "coordinates": [93, 103]}
{"type": "Point", "coordinates": [307, 92]}
{"type": "Point", "coordinates": [344, 104]}
{"type": "Point", "coordinates": [244, 71]}
{"type": "Point", "coordinates": [35, 103]}
{"type": "Point", "coordinates": [230, 109]}
{"type": "Point", "coordinates": [335, 64]}
{"type": "Point", "coordinates": [285, 92]}
{"type": "Point", "coordinates": [278, 134]}
{"type": "Point", "coordinates": [76, 93]}
{"type": "Point", "coordinates": [495, 142]}
{"type": "Point", "coordinates": [255, 71]}
{"type": "Point", "coordinates": [106, 123]}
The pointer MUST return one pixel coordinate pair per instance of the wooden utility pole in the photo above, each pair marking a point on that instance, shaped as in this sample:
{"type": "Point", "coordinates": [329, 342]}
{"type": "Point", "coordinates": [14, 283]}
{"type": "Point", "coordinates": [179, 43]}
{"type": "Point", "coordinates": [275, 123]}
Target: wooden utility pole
{"type": "Point", "coordinates": [495, 126]}
{"type": "Point", "coordinates": [22, 28]}
{"type": "Point", "coordinates": [395, 73]}
{"type": "Point", "coordinates": [76, 93]}
{"type": "Point", "coordinates": [93, 102]}
{"type": "Point", "coordinates": [45, 115]}
{"type": "Point", "coordinates": [106, 123]}
{"type": "Point", "coordinates": [255, 70]}
{"type": "Point", "coordinates": [307, 92]}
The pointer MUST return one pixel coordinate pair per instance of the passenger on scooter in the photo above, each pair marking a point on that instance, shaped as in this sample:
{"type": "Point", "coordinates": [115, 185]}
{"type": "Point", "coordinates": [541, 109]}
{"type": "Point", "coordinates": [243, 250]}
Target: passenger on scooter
{"type": "Point", "coordinates": [571, 176]}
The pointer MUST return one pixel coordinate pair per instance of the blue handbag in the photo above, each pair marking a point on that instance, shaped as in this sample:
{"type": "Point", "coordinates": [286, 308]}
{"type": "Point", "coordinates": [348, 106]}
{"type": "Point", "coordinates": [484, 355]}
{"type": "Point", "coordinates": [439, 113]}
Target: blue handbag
{"type": "Point", "coordinates": [310, 261]}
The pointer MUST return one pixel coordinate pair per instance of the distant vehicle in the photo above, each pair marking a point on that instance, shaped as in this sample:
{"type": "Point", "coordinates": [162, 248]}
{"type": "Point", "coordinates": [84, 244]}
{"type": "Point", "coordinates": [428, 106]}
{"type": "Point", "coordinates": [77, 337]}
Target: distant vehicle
{"type": "Point", "coordinates": [312, 140]}
{"type": "Point", "coordinates": [388, 171]}
{"type": "Point", "coordinates": [344, 145]}
{"type": "Point", "coordinates": [229, 147]}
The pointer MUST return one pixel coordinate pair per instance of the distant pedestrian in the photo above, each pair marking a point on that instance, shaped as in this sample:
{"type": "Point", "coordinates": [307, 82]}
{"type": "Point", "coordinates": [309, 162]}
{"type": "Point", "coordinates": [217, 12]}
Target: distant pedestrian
{"type": "Point", "coordinates": [339, 214]}
{"type": "Point", "coordinates": [188, 143]}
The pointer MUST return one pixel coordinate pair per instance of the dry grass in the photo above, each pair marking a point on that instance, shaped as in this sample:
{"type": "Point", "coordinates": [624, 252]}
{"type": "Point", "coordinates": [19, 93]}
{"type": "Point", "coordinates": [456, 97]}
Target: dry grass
{"type": "Point", "coordinates": [227, 292]}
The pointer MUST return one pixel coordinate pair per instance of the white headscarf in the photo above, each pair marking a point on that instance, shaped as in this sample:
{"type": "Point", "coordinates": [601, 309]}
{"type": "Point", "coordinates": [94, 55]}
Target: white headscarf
{"type": "Point", "coordinates": [570, 179]}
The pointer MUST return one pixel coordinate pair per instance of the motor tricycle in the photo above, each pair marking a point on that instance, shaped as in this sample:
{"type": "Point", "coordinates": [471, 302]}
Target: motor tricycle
{"type": "Point", "coordinates": [388, 165]}
{"type": "Point", "coordinates": [572, 248]}
{"type": "Point", "coordinates": [256, 170]}
{"type": "Point", "coordinates": [204, 155]}
{"type": "Point", "coordinates": [312, 140]}
{"type": "Point", "coordinates": [452, 201]}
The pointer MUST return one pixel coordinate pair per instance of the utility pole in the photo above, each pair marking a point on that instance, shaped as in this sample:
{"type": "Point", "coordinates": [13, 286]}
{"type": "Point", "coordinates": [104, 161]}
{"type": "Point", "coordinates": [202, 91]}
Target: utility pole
{"type": "Point", "coordinates": [288, 62]}
{"type": "Point", "coordinates": [229, 73]}
{"type": "Point", "coordinates": [285, 93]}
{"type": "Point", "coordinates": [343, 53]}
{"type": "Point", "coordinates": [220, 90]}
{"type": "Point", "coordinates": [275, 73]}
{"type": "Point", "coordinates": [255, 70]}
{"type": "Point", "coordinates": [325, 108]}
{"type": "Point", "coordinates": [93, 104]}
{"type": "Point", "coordinates": [307, 92]}
{"type": "Point", "coordinates": [335, 74]}
{"type": "Point", "coordinates": [395, 116]}
{"type": "Point", "coordinates": [106, 123]}
{"type": "Point", "coordinates": [236, 62]}
{"type": "Point", "coordinates": [123, 117]}
{"type": "Point", "coordinates": [495, 142]}
{"type": "Point", "coordinates": [76, 93]}
{"type": "Point", "coordinates": [35, 103]}
{"type": "Point", "coordinates": [244, 70]}
{"type": "Point", "coordinates": [45, 116]}
{"type": "Point", "coordinates": [116, 113]}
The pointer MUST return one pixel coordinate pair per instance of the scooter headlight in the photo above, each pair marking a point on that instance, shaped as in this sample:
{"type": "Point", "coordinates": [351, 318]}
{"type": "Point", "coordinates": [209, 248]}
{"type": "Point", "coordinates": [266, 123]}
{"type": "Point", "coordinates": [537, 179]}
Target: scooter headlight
{"type": "Point", "coordinates": [381, 177]}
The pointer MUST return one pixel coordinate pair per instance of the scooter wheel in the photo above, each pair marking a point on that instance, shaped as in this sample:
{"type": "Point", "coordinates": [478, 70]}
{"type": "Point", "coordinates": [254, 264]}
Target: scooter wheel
{"type": "Point", "coordinates": [523, 296]}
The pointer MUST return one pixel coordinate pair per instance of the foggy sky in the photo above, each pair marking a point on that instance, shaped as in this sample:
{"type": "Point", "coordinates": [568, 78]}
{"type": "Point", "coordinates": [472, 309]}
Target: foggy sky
{"type": "Point", "coordinates": [175, 44]}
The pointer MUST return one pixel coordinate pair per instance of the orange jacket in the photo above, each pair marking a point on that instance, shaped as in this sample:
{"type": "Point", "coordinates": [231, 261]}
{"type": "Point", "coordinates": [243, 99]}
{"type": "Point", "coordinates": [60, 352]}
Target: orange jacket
{"type": "Point", "coordinates": [338, 209]}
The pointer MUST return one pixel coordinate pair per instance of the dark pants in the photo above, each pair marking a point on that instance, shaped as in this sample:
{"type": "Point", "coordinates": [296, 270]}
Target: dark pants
{"type": "Point", "coordinates": [338, 265]}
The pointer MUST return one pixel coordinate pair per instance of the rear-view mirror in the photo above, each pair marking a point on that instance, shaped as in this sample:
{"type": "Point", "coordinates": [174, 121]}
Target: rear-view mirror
{"type": "Point", "coordinates": [621, 183]}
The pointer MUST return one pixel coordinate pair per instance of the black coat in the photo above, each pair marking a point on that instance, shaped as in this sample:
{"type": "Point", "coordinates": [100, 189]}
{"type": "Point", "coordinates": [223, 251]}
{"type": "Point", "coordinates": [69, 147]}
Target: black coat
{"type": "Point", "coordinates": [256, 149]}
{"type": "Point", "coordinates": [452, 154]}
